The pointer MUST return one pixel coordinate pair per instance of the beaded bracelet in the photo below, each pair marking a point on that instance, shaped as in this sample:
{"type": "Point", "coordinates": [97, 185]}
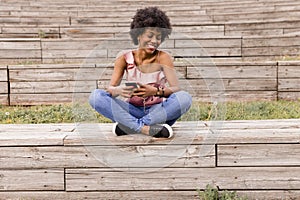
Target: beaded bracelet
{"type": "Point", "coordinates": [157, 92]}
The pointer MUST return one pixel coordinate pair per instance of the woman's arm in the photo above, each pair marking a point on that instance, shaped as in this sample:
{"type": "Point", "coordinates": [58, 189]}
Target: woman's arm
{"type": "Point", "coordinates": [169, 70]}
{"type": "Point", "coordinates": [114, 87]}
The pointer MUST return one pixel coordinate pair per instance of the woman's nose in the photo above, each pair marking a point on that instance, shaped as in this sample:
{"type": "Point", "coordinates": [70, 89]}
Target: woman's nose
{"type": "Point", "coordinates": [153, 40]}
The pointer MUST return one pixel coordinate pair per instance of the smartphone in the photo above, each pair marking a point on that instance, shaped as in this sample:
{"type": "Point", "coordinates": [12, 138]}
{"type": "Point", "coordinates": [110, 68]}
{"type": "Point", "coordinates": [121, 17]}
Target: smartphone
{"type": "Point", "coordinates": [134, 84]}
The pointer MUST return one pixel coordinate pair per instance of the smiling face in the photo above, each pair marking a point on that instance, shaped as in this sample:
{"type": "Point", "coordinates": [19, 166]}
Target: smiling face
{"type": "Point", "coordinates": [150, 40]}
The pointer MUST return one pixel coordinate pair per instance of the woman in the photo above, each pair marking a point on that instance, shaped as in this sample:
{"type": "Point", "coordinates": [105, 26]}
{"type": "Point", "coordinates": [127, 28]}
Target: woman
{"type": "Point", "coordinates": [155, 102]}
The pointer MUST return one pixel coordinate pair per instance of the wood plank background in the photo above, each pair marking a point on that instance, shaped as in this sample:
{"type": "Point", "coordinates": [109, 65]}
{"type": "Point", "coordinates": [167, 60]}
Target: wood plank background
{"type": "Point", "coordinates": [259, 159]}
{"type": "Point", "coordinates": [58, 51]}
{"type": "Point", "coordinates": [37, 84]}
{"type": "Point", "coordinates": [77, 50]}
{"type": "Point", "coordinates": [247, 41]}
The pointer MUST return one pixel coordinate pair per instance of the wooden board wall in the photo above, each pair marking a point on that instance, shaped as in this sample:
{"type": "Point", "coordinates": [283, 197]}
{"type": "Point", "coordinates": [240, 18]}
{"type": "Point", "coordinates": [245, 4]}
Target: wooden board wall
{"type": "Point", "coordinates": [202, 78]}
{"type": "Point", "coordinates": [259, 159]}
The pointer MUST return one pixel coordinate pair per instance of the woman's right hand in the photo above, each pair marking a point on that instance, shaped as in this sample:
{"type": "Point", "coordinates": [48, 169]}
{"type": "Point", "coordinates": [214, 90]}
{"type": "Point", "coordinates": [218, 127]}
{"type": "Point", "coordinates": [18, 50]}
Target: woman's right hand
{"type": "Point", "coordinates": [121, 90]}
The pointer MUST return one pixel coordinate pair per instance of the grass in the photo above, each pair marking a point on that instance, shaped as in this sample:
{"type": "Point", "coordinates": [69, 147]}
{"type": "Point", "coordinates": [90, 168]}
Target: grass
{"type": "Point", "coordinates": [211, 193]}
{"type": "Point", "coordinates": [68, 113]}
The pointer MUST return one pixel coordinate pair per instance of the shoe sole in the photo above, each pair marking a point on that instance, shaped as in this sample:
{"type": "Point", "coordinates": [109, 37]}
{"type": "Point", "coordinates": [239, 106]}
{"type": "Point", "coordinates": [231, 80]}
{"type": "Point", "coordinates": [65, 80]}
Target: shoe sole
{"type": "Point", "coordinates": [169, 129]}
{"type": "Point", "coordinates": [114, 127]}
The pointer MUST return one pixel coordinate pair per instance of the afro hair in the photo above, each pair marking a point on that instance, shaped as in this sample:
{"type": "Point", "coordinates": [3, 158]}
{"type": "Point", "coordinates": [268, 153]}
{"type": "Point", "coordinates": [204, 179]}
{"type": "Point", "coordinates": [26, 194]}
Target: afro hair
{"type": "Point", "coordinates": [149, 17]}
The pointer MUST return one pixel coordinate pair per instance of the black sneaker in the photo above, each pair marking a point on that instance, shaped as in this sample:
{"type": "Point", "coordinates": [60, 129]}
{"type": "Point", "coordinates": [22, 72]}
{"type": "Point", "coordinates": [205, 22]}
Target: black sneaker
{"type": "Point", "coordinates": [161, 131]}
{"type": "Point", "coordinates": [119, 129]}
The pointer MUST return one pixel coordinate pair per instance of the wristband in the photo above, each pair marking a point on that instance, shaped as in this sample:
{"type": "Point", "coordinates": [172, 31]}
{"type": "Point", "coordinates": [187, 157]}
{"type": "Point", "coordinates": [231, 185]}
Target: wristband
{"type": "Point", "coordinates": [157, 92]}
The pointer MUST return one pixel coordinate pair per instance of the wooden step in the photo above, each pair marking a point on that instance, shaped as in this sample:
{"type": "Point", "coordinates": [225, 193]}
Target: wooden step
{"type": "Point", "coordinates": [258, 158]}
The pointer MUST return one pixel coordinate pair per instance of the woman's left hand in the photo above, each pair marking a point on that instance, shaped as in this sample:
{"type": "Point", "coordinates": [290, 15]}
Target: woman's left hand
{"type": "Point", "coordinates": [144, 90]}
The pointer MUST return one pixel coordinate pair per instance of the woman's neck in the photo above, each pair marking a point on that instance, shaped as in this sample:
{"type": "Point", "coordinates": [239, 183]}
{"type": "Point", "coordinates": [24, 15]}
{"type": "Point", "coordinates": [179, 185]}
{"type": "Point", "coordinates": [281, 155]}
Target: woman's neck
{"type": "Point", "coordinates": [142, 57]}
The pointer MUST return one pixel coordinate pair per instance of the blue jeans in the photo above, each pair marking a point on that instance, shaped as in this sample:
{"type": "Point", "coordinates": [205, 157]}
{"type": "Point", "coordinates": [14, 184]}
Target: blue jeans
{"type": "Point", "coordinates": [135, 117]}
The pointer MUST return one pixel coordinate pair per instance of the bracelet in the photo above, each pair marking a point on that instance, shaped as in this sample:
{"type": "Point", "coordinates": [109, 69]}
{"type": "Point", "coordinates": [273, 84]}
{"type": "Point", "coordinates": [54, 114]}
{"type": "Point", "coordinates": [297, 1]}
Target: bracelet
{"type": "Point", "coordinates": [157, 92]}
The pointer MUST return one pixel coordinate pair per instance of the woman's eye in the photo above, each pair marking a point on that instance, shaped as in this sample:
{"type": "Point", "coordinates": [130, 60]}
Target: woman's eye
{"type": "Point", "coordinates": [152, 35]}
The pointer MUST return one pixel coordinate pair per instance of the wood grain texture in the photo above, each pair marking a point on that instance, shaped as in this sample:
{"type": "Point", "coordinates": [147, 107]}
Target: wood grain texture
{"type": "Point", "coordinates": [259, 155]}
{"type": "Point", "coordinates": [188, 178]}
{"type": "Point", "coordinates": [47, 179]}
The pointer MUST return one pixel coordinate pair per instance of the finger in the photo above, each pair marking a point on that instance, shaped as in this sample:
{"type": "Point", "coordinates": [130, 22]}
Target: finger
{"type": "Point", "coordinates": [140, 84]}
{"type": "Point", "coordinates": [126, 94]}
{"type": "Point", "coordinates": [128, 88]}
{"type": "Point", "coordinates": [138, 93]}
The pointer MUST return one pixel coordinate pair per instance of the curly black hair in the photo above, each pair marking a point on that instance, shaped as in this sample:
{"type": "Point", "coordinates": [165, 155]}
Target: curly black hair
{"type": "Point", "coordinates": [150, 17]}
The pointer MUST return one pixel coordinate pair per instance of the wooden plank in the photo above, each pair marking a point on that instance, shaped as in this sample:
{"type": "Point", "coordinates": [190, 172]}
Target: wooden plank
{"type": "Point", "coordinates": [147, 195]}
{"type": "Point", "coordinates": [3, 73]}
{"type": "Point", "coordinates": [37, 138]}
{"type": "Point", "coordinates": [3, 87]}
{"type": "Point", "coordinates": [65, 54]}
{"type": "Point", "coordinates": [263, 16]}
{"type": "Point", "coordinates": [291, 31]}
{"type": "Point", "coordinates": [20, 48]}
{"type": "Point", "coordinates": [78, 48]}
{"type": "Point", "coordinates": [121, 20]}
{"type": "Point", "coordinates": [260, 32]}
{"type": "Point", "coordinates": [229, 42]}
{"type": "Point", "coordinates": [266, 25]}
{"type": "Point", "coordinates": [232, 70]}
{"type": "Point", "coordinates": [63, 74]}
{"type": "Point", "coordinates": [289, 95]}
{"type": "Point", "coordinates": [227, 132]}
{"type": "Point", "coordinates": [259, 155]}
{"type": "Point", "coordinates": [17, 43]}
{"type": "Point", "coordinates": [184, 179]}
{"type": "Point", "coordinates": [275, 41]}
{"type": "Point", "coordinates": [271, 51]}
{"type": "Point", "coordinates": [75, 66]}
{"type": "Point", "coordinates": [20, 54]}
{"type": "Point", "coordinates": [191, 136]}
{"type": "Point", "coordinates": [92, 31]}
{"type": "Point", "coordinates": [198, 31]}
{"type": "Point", "coordinates": [281, 194]}
{"type": "Point", "coordinates": [83, 157]}
{"type": "Point", "coordinates": [258, 124]}
{"type": "Point", "coordinates": [83, 44]}
{"type": "Point", "coordinates": [241, 95]}
{"type": "Point", "coordinates": [35, 20]}
{"type": "Point", "coordinates": [41, 128]}
{"type": "Point", "coordinates": [40, 31]}
{"type": "Point", "coordinates": [47, 99]}
{"type": "Point", "coordinates": [34, 134]}
{"type": "Point", "coordinates": [51, 87]}
{"type": "Point", "coordinates": [205, 52]}
{"type": "Point", "coordinates": [3, 99]}
{"type": "Point", "coordinates": [288, 69]}
{"type": "Point", "coordinates": [291, 84]}
{"type": "Point", "coordinates": [214, 85]}
{"type": "Point", "coordinates": [48, 179]}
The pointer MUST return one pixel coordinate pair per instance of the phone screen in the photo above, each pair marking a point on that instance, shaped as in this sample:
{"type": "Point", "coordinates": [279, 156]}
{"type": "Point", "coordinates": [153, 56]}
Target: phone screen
{"type": "Point", "coordinates": [131, 84]}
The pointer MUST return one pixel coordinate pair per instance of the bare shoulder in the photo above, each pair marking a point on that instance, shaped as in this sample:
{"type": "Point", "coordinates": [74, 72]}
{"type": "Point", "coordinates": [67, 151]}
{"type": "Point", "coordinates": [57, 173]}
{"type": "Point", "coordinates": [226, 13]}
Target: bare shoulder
{"type": "Point", "coordinates": [165, 55]}
{"type": "Point", "coordinates": [166, 59]}
{"type": "Point", "coordinates": [120, 61]}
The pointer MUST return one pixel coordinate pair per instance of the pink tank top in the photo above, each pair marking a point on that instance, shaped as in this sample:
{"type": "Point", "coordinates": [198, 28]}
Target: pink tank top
{"type": "Point", "coordinates": [156, 79]}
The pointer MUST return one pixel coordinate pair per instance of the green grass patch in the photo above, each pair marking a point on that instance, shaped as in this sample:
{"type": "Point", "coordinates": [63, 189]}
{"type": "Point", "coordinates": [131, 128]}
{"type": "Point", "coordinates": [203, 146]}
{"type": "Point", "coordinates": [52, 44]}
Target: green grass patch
{"type": "Point", "coordinates": [212, 193]}
{"type": "Point", "coordinates": [68, 113]}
